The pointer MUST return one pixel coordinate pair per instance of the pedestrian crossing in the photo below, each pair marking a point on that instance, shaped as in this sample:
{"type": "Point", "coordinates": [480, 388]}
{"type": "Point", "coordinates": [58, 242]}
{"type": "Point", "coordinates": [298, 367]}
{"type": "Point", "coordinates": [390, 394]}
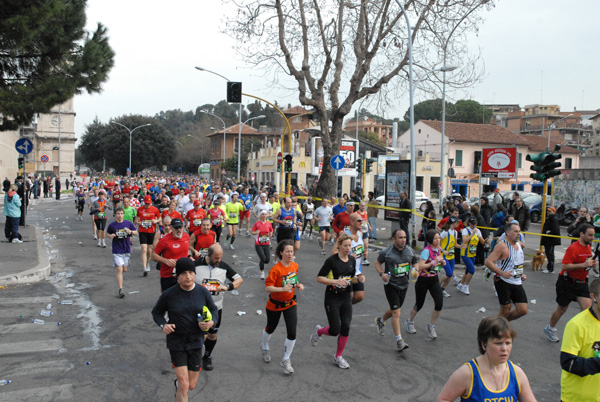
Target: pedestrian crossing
{"type": "Point", "coordinates": [32, 354]}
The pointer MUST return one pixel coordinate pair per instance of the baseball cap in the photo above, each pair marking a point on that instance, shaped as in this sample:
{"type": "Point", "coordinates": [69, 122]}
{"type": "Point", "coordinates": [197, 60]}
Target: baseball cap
{"type": "Point", "coordinates": [473, 219]}
{"type": "Point", "coordinates": [184, 264]}
{"type": "Point", "coordinates": [176, 223]}
{"type": "Point", "coordinates": [196, 202]}
{"type": "Point", "coordinates": [147, 199]}
{"type": "Point", "coordinates": [551, 209]}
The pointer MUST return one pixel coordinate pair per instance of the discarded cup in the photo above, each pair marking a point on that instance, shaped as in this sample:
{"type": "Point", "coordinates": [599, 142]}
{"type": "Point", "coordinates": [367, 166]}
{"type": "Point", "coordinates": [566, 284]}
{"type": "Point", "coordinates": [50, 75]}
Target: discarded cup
{"type": "Point", "coordinates": [481, 310]}
{"type": "Point", "coordinates": [241, 313]}
{"type": "Point", "coordinates": [259, 312]}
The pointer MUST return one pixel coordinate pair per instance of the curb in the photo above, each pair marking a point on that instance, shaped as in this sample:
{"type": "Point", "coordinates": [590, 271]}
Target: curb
{"type": "Point", "coordinates": [39, 273]}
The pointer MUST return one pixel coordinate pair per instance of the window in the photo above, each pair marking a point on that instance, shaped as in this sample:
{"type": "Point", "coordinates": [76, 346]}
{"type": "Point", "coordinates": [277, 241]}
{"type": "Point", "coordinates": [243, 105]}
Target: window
{"type": "Point", "coordinates": [568, 163]}
{"type": "Point", "coordinates": [519, 160]}
{"type": "Point", "coordinates": [458, 159]}
{"type": "Point", "coordinates": [297, 120]}
{"type": "Point", "coordinates": [476, 161]}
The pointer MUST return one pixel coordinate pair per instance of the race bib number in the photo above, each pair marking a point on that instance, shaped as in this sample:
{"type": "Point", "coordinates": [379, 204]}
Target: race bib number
{"type": "Point", "coordinates": [309, 210]}
{"type": "Point", "coordinates": [288, 224]}
{"type": "Point", "coordinates": [197, 222]}
{"type": "Point", "coordinates": [121, 234]}
{"type": "Point", "coordinates": [401, 269]}
{"type": "Point", "coordinates": [101, 215]}
{"type": "Point", "coordinates": [216, 222]}
{"type": "Point", "coordinates": [436, 268]}
{"type": "Point", "coordinates": [518, 271]}
{"type": "Point", "coordinates": [147, 224]}
{"type": "Point", "coordinates": [451, 252]}
{"type": "Point", "coordinates": [211, 285]}
{"type": "Point", "coordinates": [358, 250]}
{"type": "Point", "coordinates": [364, 228]}
{"type": "Point", "coordinates": [472, 248]}
{"type": "Point", "coordinates": [348, 280]}
{"type": "Point", "coordinates": [346, 228]}
{"type": "Point", "coordinates": [291, 279]}
{"type": "Point", "coordinates": [232, 215]}
{"type": "Point", "coordinates": [203, 252]}
{"type": "Point", "coordinates": [264, 239]}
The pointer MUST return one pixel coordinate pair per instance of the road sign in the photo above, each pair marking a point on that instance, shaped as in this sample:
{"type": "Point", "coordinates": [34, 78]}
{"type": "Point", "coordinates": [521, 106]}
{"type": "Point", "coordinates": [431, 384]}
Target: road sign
{"type": "Point", "coordinates": [252, 177]}
{"type": "Point", "coordinates": [24, 146]}
{"type": "Point", "coordinates": [279, 158]}
{"type": "Point", "coordinates": [44, 158]}
{"type": "Point", "coordinates": [337, 162]}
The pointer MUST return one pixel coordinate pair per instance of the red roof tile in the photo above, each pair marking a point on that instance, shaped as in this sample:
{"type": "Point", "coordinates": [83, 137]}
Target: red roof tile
{"type": "Point", "coordinates": [295, 110]}
{"type": "Point", "coordinates": [478, 133]}
{"type": "Point", "coordinates": [539, 144]}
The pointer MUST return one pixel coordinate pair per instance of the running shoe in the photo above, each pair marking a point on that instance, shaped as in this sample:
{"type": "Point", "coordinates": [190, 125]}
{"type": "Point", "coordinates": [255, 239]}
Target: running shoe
{"type": "Point", "coordinates": [410, 327]}
{"type": "Point", "coordinates": [207, 363]}
{"type": "Point", "coordinates": [266, 355]}
{"type": "Point", "coordinates": [95, 237]}
{"type": "Point", "coordinates": [380, 325]}
{"type": "Point", "coordinates": [231, 247]}
{"type": "Point", "coordinates": [340, 362]}
{"type": "Point", "coordinates": [314, 337]}
{"type": "Point", "coordinates": [146, 270]}
{"type": "Point", "coordinates": [332, 240]}
{"type": "Point", "coordinates": [459, 286]}
{"type": "Point", "coordinates": [366, 262]}
{"type": "Point", "coordinates": [16, 240]}
{"type": "Point", "coordinates": [431, 331]}
{"type": "Point", "coordinates": [456, 280]}
{"type": "Point", "coordinates": [121, 294]}
{"type": "Point", "coordinates": [99, 243]}
{"type": "Point", "coordinates": [465, 289]}
{"type": "Point", "coordinates": [309, 237]}
{"type": "Point", "coordinates": [401, 345]}
{"type": "Point", "coordinates": [287, 366]}
{"type": "Point", "coordinates": [323, 252]}
{"type": "Point", "coordinates": [262, 275]}
{"type": "Point", "coordinates": [551, 333]}
{"type": "Point", "coordinates": [487, 273]}
{"type": "Point", "coordinates": [445, 294]}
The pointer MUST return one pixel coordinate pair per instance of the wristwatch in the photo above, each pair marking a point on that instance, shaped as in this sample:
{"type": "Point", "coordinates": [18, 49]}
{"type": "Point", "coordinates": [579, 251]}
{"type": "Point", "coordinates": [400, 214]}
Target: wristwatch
{"type": "Point", "coordinates": [162, 326]}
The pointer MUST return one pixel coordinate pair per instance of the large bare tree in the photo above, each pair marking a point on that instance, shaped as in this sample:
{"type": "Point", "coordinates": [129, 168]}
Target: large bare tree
{"type": "Point", "coordinates": [341, 51]}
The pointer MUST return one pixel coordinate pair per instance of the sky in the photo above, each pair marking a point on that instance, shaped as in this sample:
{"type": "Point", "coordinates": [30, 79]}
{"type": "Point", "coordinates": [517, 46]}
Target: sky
{"type": "Point", "coordinates": [535, 51]}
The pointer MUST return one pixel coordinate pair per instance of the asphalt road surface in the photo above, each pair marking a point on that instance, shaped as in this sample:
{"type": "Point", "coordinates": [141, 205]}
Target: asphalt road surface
{"type": "Point", "coordinates": [109, 349]}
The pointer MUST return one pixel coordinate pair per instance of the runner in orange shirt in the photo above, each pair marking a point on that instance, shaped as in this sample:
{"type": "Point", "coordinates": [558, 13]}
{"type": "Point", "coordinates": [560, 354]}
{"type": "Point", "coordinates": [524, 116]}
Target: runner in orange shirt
{"type": "Point", "coordinates": [146, 219]}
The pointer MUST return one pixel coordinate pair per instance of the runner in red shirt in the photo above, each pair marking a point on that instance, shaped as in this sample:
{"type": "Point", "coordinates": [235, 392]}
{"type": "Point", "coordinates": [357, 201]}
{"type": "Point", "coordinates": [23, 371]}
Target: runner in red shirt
{"type": "Point", "coordinates": [342, 220]}
{"type": "Point", "coordinates": [194, 217]}
{"type": "Point", "coordinates": [169, 249]}
{"type": "Point", "coordinates": [116, 197]}
{"type": "Point", "coordinates": [217, 216]}
{"type": "Point", "coordinates": [572, 282]}
{"type": "Point", "coordinates": [263, 230]}
{"type": "Point", "coordinates": [146, 219]}
{"type": "Point", "coordinates": [202, 239]}
{"type": "Point", "coordinates": [172, 211]}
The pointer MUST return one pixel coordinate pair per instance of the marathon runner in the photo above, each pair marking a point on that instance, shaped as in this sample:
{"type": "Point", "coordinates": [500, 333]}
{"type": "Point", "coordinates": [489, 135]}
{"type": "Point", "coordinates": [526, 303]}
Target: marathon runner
{"type": "Point", "coordinates": [448, 236]}
{"type": "Point", "coordinates": [217, 216]}
{"type": "Point", "coordinates": [116, 196]}
{"type": "Point", "coordinates": [147, 218]}
{"type": "Point", "coordinates": [262, 205]}
{"type": "Point", "coordinates": [430, 264]}
{"type": "Point", "coordinates": [262, 244]}
{"type": "Point", "coordinates": [201, 240]}
{"type": "Point", "coordinates": [324, 215]}
{"type": "Point", "coordinates": [470, 237]}
{"type": "Point", "coordinates": [194, 217]}
{"type": "Point", "coordinates": [299, 220]}
{"type": "Point", "coordinates": [168, 250]}
{"type": "Point", "coordinates": [308, 208]}
{"type": "Point", "coordinates": [246, 200]}
{"type": "Point", "coordinates": [217, 277]}
{"type": "Point", "coordinates": [339, 272]}
{"type": "Point", "coordinates": [572, 282]}
{"type": "Point", "coordinates": [93, 197]}
{"type": "Point", "coordinates": [233, 210]}
{"type": "Point", "coordinates": [365, 227]}
{"type": "Point", "coordinates": [398, 260]}
{"type": "Point", "coordinates": [186, 306]}
{"type": "Point", "coordinates": [120, 231]}
{"type": "Point", "coordinates": [281, 284]}
{"type": "Point", "coordinates": [342, 220]}
{"type": "Point", "coordinates": [358, 252]}
{"type": "Point", "coordinates": [285, 217]}
{"type": "Point", "coordinates": [99, 208]}
{"type": "Point", "coordinates": [80, 202]}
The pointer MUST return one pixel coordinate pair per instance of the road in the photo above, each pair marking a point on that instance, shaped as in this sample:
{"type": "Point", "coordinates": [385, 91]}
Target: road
{"type": "Point", "coordinates": [109, 349]}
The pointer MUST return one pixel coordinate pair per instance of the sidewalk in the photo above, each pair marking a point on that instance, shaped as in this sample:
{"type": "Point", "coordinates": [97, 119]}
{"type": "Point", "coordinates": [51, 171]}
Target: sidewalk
{"type": "Point", "coordinates": [25, 262]}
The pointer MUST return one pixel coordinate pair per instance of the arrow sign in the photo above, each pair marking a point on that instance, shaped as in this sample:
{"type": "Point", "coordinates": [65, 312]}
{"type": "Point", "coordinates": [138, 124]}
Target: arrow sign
{"type": "Point", "coordinates": [24, 146]}
{"type": "Point", "coordinates": [337, 162]}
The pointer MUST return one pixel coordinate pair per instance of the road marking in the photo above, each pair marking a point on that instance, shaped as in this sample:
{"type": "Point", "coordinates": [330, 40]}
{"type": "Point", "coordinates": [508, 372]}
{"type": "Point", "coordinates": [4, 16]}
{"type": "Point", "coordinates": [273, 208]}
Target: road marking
{"type": "Point", "coordinates": [29, 327]}
{"type": "Point", "coordinates": [16, 348]}
{"type": "Point", "coordinates": [26, 300]}
{"type": "Point", "coordinates": [50, 393]}
{"type": "Point", "coordinates": [37, 367]}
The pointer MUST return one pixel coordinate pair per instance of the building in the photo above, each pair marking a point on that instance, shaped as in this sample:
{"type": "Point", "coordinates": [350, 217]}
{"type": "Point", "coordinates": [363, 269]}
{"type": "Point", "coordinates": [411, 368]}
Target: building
{"type": "Point", "coordinates": [500, 113]}
{"type": "Point", "coordinates": [463, 149]}
{"type": "Point", "coordinates": [383, 131]}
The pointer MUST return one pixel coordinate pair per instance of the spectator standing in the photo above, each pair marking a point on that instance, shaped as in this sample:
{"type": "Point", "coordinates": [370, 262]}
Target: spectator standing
{"type": "Point", "coordinates": [551, 227]}
{"type": "Point", "coordinates": [12, 210]}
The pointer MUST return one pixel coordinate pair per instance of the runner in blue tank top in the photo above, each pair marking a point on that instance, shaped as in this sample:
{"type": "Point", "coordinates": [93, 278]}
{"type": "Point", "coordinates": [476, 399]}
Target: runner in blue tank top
{"type": "Point", "coordinates": [491, 376]}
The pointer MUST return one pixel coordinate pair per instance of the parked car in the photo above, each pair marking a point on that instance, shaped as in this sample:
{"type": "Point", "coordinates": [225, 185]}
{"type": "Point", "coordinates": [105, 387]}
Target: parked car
{"type": "Point", "coordinates": [534, 203]}
{"type": "Point", "coordinates": [420, 200]}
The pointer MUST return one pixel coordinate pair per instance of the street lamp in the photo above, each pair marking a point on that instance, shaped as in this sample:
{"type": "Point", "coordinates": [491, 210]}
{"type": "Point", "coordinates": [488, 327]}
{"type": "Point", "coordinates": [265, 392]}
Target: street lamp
{"type": "Point", "coordinates": [553, 125]}
{"type": "Point", "coordinates": [224, 128]}
{"type": "Point", "coordinates": [240, 142]}
{"type": "Point", "coordinates": [130, 134]}
{"type": "Point", "coordinates": [239, 116]}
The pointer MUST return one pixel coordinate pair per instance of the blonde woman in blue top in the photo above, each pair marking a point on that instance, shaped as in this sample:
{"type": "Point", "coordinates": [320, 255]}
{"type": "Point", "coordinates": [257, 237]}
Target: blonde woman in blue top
{"type": "Point", "coordinates": [491, 376]}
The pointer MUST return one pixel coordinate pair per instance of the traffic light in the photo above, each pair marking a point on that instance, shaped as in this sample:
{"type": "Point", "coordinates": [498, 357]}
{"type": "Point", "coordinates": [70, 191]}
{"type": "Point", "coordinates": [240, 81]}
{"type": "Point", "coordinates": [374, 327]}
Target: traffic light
{"type": "Point", "coordinates": [369, 164]}
{"type": "Point", "coordinates": [289, 161]}
{"type": "Point", "coordinates": [21, 162]}
{"type": "Point", "coordinates": [359, 164]}
{"type": "Point", "coordinates": [234, 92]}
{"type": "Point", "coordinates": [544, 164]}
{"type": "Point", "coordinates": [279, 167]}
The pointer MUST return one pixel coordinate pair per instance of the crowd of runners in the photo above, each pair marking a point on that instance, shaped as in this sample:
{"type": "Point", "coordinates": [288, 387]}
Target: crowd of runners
{"type": "Point", "coordinates": [178, 224]}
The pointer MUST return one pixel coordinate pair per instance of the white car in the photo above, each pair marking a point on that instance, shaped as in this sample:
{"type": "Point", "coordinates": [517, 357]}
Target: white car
{"type": "Point", "coordinates": [420, 200]}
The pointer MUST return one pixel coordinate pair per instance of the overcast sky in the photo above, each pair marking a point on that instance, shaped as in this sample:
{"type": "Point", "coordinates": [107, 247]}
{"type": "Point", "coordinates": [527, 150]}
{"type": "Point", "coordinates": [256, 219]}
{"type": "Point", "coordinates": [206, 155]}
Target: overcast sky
{"type": "Point", "coordinates": [534, 51]}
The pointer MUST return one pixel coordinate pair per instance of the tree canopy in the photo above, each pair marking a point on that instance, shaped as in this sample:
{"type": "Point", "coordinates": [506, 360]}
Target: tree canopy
{"type": "Point", "coordinates": [463, 111]}
{"type": "Point", "coordinates": [46, 57]}
{"type": "Point", "coordinates": [340, 52]}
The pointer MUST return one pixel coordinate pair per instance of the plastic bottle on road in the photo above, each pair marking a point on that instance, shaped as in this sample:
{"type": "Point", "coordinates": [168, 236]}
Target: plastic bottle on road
{"type": "Point", "coordinates": [66, 302]}
{"type": "Point", "coordinates": [46, 313]}
{"type": "Point", "coordinates": [49, 306]}
{"type": "Point", "coordinates": [4, 382]}
{"type": "Point", "coordinates": [38, 322]}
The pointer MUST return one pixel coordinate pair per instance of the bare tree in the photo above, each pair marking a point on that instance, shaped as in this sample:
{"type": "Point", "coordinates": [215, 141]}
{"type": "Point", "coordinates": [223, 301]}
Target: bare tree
{"type": "Point", "coordinates": [341, 51]}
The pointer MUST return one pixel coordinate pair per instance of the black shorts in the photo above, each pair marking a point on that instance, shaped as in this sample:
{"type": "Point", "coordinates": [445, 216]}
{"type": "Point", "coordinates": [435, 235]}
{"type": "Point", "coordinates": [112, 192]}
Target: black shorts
{"type": "Point", "coordinates": [325, 229]}
{"type": "Point", "coordinates": [146, 238]}
{"type": "Point", "coordinates": [190, 358]}
{"type": "Point", "coordinates": [569, 289]}
{"type": "Point", "coordinates": [507, 292]}
{"type": "Point", "coordinates": [100, 224]}
{"type": "Point", "coordinates": [394, 296]}
{"type": "Point", "coordinates": [80, 206]}
{"type": "Point", "coordinates": [215, 328]}
{"type": "Point", "coordinates": [358, 287]}
{"type": "Point", "coordinates": [232, 224]}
